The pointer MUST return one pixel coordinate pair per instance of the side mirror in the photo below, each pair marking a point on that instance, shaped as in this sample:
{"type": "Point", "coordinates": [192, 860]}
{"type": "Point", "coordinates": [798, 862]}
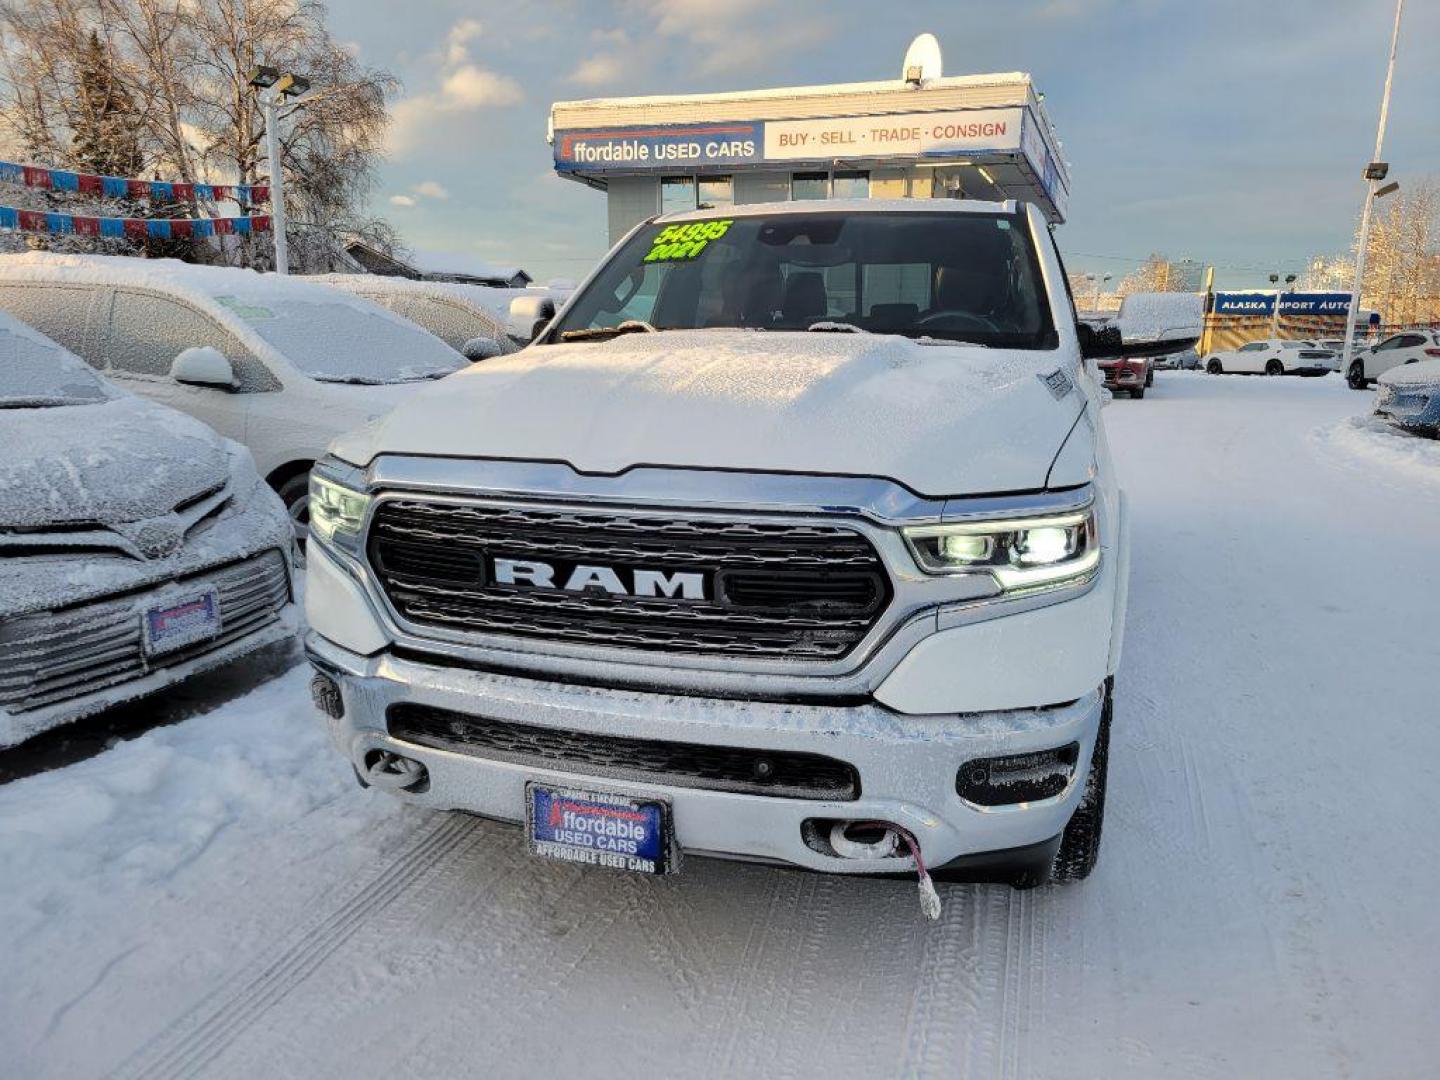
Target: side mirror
{"type": "Point", "coordinates": [481, 348]}
{"type": "Point", "coordinates": [1110, 343]}
{"type": "Point", "coordinates": [528, 316]}
{"type": "Point", "coordinates": [203, 366]}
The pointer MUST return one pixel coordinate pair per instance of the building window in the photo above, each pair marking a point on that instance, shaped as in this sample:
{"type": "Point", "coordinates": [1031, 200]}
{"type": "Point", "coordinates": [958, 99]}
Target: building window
{"type": "Point", "coordinates": [810, 185]}
{"type": "Point", "coordinates": [677, 193]}
{"type": "Point", "coordinates": [715, 192]}
{"type": "Point", "coordinates": [851, 185]}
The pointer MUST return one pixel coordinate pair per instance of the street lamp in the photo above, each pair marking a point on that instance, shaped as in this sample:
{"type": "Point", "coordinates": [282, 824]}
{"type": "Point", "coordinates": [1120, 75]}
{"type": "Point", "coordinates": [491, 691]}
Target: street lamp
{"type": "Point", "coordinates": [1098, 283]}
{"type": "Point", "coordinates": [1374, 173]}
{"type": "Point", "coordinates": [1275, 315]}
{"type": "Point", "coordinates": [280, 87]}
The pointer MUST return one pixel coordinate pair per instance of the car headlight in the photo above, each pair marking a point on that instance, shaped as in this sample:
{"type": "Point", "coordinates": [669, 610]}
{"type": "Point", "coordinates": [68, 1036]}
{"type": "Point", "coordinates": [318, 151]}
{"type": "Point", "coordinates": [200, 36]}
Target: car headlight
{"type": "Point", "coordinates": [337, 512]}
{"type": "Point", "coordinates": [1020, 553]}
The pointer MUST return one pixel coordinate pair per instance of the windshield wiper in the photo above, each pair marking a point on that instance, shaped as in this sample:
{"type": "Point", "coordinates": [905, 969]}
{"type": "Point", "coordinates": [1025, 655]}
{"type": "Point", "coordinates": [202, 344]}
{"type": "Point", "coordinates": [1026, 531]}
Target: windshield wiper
{"type": "Point", "coordinates": [831, 326]}
{"type": "Point", "coordinates": [43, 402]}
{"type": "Point", "coordinates": [600, 333]}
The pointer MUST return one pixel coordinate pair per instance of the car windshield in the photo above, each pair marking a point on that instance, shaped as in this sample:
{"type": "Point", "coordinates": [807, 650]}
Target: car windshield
{"type": "Point", "coordinates": [335, 341]}
{"type": "Point", "coordinates": [947, 276]}
{"type": "Point", "coordinates": [36, 374]}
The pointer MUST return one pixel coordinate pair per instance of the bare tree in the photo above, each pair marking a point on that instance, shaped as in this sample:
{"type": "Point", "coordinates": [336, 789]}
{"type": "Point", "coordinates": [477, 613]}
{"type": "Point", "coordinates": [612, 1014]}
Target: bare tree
{"type": "Point", "coordinates": [1156, 274]}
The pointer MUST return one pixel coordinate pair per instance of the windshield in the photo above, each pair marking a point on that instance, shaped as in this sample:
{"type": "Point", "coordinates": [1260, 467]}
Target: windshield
{"type": "Point", "coordinates": [948, 276]}
{"type": "Point", "coordinates": [36, 373]}
{"type": "Point", "coordinates": [336, 341]}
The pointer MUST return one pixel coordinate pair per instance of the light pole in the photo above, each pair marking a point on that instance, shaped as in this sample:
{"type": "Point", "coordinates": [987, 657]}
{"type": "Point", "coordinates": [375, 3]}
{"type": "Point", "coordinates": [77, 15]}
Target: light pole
{"type": "Point", "coordinates": [1275, 315]}
{"type": "Point", "coordinates": [1374, 173]}
{"type": "Point", "coordinates": [1098, 283]}
{"type": "Point", "coordinates": [279, 88]}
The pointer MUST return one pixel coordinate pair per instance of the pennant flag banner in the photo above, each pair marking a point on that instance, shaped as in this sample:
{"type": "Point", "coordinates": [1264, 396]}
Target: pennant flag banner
{"type": "Point", "coordinates": [119, 187]}
{"type": "Point", "coordinates": [41, 221]}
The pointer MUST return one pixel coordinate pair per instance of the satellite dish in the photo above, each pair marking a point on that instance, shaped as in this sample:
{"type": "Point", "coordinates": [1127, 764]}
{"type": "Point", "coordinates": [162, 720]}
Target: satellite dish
{"type": "Point", "coordinates": [922, 60]}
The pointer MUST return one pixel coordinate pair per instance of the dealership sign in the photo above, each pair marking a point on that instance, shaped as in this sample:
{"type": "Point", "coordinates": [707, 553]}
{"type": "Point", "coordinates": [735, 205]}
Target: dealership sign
{"type": "Point", "coordinates": [663, 148]}
{"type": "Point", "coordinates": [902, 135]}
{"type": "Point", "coordinates": [1257, 303]}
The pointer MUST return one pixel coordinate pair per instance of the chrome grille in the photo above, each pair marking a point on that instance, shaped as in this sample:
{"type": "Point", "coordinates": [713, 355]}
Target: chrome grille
{"type": "Point", "coordinates": [51, 657]}
{"type": "Point", "coordinates": [789, 590]}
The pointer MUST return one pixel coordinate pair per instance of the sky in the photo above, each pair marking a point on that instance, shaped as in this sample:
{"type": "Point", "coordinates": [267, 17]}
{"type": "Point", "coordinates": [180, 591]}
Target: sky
{"type": "Point", "coordinates": [1232, 133]}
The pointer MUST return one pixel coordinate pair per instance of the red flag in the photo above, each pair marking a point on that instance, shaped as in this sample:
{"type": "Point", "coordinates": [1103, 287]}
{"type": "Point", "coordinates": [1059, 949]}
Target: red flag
{"type": "Point", "coordinates": [137, 189]}
{"type": "Point", "coordinates": [260, 193]}
{"type": "Point", "coordinates": [222, 191]}
{"type": "Point", "coordinates": [32, 220]}
{"type": "Point", "coordinates": [184, 192]}
{"type": "Point", "coordinates": [180, 228]}
{"type": "Point", "coordinates": [91, 185]}
{"type": "Point", "coordinates": [260, 223]}
{"type": "Point", "coordinates": [87, 226]}
{"type": "Point", "coordinates": [224, 226]}
{"type": "Point", "coordinates": [37, 177]}
{"type": "Point", "coordinates": [135, 227]}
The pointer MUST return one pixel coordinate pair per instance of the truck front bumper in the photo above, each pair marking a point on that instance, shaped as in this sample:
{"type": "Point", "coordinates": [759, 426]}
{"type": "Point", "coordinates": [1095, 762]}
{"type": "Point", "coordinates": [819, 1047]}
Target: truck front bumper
{"type": "Point", "coordinates": [907, 765]}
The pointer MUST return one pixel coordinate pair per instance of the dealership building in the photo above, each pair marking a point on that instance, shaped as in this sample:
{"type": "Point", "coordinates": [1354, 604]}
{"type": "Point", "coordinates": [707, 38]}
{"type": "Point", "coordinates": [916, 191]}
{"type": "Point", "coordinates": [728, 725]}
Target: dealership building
{"type": "Point", "coordinates": [969, 136]}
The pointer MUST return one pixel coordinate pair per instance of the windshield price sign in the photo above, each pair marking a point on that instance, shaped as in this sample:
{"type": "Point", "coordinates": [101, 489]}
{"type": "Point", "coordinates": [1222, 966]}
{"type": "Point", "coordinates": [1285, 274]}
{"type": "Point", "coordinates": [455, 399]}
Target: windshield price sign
{"type": "Point", "coordinates": [678, 242]}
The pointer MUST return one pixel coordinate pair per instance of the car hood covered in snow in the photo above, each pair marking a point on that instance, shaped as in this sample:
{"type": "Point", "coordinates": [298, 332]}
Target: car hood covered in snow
{"type": "Point", "coordinates": [1424, 373]}
{"type": "Point", "coordinates": [108, 463]}
{"type": "Point", "coordinates": [942, 419]}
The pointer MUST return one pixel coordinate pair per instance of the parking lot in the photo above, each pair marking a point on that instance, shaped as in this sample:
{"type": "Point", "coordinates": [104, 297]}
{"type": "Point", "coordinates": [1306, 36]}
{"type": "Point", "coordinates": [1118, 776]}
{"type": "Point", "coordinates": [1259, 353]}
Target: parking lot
{"type": "Point", "coordinates": [218, 898]}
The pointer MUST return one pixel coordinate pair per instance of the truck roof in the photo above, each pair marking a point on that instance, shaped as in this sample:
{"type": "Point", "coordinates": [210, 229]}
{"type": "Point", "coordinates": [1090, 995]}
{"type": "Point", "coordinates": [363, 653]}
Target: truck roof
{"type": "Point", "coordinates": [847, 206]}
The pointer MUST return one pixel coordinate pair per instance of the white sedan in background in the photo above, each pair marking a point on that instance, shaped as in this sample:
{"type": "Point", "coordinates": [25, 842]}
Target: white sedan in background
{"type": "Point", "coordinates": [1274, 356]}
{"type": "Point", "coordinates": [1407, 347]}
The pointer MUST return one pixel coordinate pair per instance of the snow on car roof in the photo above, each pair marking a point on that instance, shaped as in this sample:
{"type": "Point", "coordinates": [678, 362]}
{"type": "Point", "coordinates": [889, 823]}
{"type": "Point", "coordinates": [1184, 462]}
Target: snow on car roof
{"type": "Point", "coordinates": [1425, 372]}
{"type": "Point", "coordinates": [484, 299]}
{"type": "Point", "coordinates": [848, 206]}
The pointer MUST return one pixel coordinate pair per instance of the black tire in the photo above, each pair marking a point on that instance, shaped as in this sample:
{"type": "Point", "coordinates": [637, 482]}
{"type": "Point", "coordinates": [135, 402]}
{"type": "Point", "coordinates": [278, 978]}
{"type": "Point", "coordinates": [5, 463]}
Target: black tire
{"type": "Point", "coordinates": [1149, 377]}
{"type": "Point", "coordinates": [1274, 367]}
{"type": "Point", "coordinates": [1355, 377]}
{"type": "Point", "coordinates": [1138, 392]}
{"type": "Point", "coordinates": [295, 494]}
{"type": "Point", "coordinates": [1213, 367]}
{"type": "Point", "coordinates": [1080, 842]}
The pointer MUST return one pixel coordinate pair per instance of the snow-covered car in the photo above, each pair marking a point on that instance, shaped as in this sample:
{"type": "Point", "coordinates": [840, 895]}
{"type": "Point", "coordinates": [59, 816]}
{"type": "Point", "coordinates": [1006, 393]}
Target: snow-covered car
{"type": "Point", "coordinates": [1409, 347]}
{"type": "Point", "coordinates": [1184, 360]}
{"type": "Point", "coordinates": [1409, 397]}
{"type": "Point", "coordinates": [136, 546]}
{"type": "Point", "coordinates": [278, 364]}
{"type": "Point", "coordinates": [794, 537]}
{"type": "Point", "coordinates": [460, 315]}
{"type": "Point", "coordinates": [1131, 375]}
{"type": "Point", "coordinates": [1273, 356]}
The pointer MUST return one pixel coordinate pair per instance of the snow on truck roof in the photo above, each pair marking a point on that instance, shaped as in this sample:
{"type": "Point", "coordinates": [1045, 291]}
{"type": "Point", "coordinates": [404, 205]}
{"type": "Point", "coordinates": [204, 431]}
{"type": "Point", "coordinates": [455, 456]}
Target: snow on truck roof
{"type": "Point", "coordinates": [847, 206]}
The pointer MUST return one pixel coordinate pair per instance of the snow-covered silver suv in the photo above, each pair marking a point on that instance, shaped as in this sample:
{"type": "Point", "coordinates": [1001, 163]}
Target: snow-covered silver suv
{"type": "Point", "coordinates": [137, 547]}
{"type": "Point", "coordinates": [794, 538]}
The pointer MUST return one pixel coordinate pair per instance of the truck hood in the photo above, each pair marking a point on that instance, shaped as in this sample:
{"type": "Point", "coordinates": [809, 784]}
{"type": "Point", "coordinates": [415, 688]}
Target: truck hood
{"type": "Point", "coordinates": [117, 461]}
{"type": "Point", "coordinates": [941, 419]}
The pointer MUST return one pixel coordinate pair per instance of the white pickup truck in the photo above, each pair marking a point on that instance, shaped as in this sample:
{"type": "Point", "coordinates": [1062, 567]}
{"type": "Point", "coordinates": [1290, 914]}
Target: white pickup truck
{"type": "Point", "coordinates": [794, 538]}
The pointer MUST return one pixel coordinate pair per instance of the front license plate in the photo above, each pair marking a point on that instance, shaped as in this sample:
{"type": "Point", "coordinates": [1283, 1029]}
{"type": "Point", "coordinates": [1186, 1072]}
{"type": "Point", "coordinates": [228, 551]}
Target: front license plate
{"type": "Point", "coordinates": [185, 621]}
{"type": "Point", "coordinates": [598, 829]}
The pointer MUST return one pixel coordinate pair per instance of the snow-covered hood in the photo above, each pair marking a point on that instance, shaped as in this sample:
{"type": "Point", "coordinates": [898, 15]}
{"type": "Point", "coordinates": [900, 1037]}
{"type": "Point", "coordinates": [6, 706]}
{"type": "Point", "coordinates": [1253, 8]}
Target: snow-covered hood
{"type": "Point", "coordinates": [1424, 373]}
{"type": "Point", "coordinates": [942, 419]}
{"type": "Point", "coordinates": [114, 462]}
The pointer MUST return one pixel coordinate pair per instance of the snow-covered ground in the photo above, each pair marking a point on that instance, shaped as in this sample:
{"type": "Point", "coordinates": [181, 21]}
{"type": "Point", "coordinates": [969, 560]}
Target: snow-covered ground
{"type": "Point", "coordinates": [218, 898]}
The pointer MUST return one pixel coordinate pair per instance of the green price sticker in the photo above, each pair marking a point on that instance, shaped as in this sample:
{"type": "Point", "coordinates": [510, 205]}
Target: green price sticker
{"type": "Point", "coordinates": [677, 243]}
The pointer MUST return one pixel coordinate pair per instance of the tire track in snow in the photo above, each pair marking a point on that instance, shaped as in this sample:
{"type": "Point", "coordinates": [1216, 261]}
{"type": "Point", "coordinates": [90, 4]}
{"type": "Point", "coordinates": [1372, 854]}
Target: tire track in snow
{"type": "Point", "coordinates": [196, 1038]}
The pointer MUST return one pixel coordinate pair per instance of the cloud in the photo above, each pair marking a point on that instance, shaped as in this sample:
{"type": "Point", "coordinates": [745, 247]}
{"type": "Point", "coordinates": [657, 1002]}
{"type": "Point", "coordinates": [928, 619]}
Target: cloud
{"type": "Point", "coordinates": [734, 35]}
{"type": "Point", "coordinates": [430, 189]}
{"type": "Point", "coordinates": [401, 200]}
{"type": "Point", "coordinates": [464, 86]}
{"type": "Point", "coordinates": [600, 70]}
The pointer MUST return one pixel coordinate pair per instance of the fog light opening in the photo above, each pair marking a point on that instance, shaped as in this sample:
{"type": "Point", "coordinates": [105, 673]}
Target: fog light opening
{"type": "Point", "coordinates": [1018, 779]}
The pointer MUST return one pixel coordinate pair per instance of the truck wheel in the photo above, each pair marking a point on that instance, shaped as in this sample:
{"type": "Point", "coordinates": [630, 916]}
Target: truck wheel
{"type": "Point", "coordinates": [295, 494]}
{"type": "Point", "coordinates": [1355, 378]}
{"type": "Point", "coordinates": [1138, 392]}
{"type": "Point", "coordinates": [1274, 367]}
{"type": "Point", "coordinates": [1080, 842]}
{"type": "Point", "coordinates": [1213, 367]}
{"type": "Point", "coordinates": [1149, 377]}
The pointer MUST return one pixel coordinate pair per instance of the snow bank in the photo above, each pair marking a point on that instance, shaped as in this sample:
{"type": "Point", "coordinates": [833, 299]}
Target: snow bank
{"type": "Point", "coordinates": [1369, 442]}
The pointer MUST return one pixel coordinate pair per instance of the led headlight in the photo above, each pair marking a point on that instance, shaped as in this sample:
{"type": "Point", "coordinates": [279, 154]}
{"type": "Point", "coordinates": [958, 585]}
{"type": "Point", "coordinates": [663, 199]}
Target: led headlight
{"type": "Point", "coordinates": [336, 511]}
{"type": "Point", "coordinates": [1020, 553]}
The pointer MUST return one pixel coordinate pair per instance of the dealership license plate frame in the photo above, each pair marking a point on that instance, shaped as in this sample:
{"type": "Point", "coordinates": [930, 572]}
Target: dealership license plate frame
{"type": "Point", "coordinates": [157, 640]}
{"type": "Point", "coordinates": [604, 804]}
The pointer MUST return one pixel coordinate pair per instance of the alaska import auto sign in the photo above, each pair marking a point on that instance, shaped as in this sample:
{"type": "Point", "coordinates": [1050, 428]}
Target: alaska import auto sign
{"type": "Point", "coordinates": [1297, 303]}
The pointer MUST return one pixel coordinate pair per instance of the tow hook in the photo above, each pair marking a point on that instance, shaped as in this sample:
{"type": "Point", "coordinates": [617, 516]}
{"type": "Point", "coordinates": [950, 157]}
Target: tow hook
{"type": "Point", "coordinates": [395, 772]}
{"type": "Point", "coordinates": [879, 840]}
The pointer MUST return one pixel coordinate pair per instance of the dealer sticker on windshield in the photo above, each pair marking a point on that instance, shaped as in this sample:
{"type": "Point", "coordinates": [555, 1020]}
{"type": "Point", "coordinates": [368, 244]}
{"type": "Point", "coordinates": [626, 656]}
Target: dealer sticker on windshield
{"type": "Point", "coordinates": [676, 243]}
{"type": "Point", "coordinates": [598, 829]}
